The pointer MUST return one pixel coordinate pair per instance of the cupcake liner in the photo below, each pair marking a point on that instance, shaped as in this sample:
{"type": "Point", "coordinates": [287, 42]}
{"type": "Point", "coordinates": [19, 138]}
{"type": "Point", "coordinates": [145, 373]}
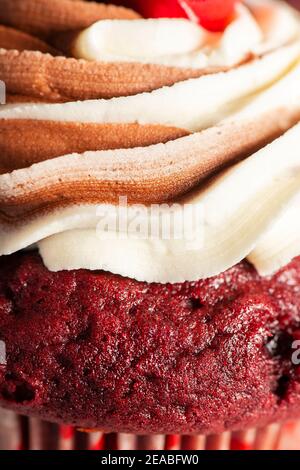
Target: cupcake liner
{"type": "Point", "coordinates": [18, 433]}
{"type": "Point", "coordinates": [289, 437]}
{"type": "Point", "coordinates": [96, 441]}
{"type": "Point", "coordinates": [43, 435]}
{"type": "Point", "coordinates": [126, 441]}
{"type": "Point", "coordinates": [218, 442]}
{"type": "Point", "coordinates": [173, 442]}
{"type": "Point", "coordinates": [151, 442]}
{"type": "Point", "coordinates": [193, 442]}
{"type": "Point", "coordinates": [267, 438]}
{"type": "Point", "coordinates": [66, 437]}
{"type": "Point", "coordinates": [243, 440]}
{"type": "Point", "coordinates": [11, 432]}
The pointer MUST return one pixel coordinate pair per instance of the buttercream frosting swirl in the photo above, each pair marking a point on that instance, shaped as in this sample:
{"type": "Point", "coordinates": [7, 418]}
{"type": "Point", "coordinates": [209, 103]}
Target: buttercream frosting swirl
{"type": "Point", "coordinates": [257, 27]}
{"type": "Point", "coordinates": [244, 212]}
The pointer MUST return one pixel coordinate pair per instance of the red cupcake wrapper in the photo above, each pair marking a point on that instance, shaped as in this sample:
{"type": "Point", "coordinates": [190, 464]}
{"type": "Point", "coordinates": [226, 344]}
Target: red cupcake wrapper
{"type": "Point", "coordinates": [33, 434]}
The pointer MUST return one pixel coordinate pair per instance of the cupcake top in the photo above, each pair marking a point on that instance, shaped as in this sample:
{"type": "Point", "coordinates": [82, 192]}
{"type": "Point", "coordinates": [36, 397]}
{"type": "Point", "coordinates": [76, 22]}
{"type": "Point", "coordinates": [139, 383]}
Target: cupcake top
{"type": "Point", "coordinates": [158, 149]}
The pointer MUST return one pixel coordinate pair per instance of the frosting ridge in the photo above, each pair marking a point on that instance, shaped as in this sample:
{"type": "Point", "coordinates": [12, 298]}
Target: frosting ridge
{"type": "Point", "coordinates": [251, 98]}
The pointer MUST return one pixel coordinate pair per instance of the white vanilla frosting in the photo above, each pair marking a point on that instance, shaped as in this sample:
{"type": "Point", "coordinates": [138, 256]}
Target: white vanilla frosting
{"type": "Point", "coordinates": [258, 26]}
{"type": "Point", "coordinates": [281, 242]}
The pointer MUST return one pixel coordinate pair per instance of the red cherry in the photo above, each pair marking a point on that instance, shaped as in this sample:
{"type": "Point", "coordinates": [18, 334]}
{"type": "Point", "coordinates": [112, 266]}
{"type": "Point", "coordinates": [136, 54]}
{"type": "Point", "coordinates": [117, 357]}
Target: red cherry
{"type": "Point", "coordinates": [155, 8]}
{"type": "Point", "coordinates": [162, 9]}
{"type": "Point", "coordinates": [213, 15]}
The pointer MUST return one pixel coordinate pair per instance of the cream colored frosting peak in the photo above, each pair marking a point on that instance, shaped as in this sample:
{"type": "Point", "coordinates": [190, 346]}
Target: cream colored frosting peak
{"type": "Point", "coordinates": [258, 27]}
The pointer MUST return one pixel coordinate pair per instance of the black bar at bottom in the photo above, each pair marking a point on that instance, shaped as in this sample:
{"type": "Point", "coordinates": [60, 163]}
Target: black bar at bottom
{"type": "Point", "coordinates": [136, 459]}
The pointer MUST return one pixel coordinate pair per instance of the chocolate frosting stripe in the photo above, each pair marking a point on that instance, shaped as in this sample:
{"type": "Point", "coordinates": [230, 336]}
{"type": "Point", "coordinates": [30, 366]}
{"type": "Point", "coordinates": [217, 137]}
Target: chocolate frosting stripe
{"type": "Point", "coordinates": [45, 17]}
{"type": "Point", "coordinates": [35, 74]}
{"type": "Point", "coordinates": [43, 140]}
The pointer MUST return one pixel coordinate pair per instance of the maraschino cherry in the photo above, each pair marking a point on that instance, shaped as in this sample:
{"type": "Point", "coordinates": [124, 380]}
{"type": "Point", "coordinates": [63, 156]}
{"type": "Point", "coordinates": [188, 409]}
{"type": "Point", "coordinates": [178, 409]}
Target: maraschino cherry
{"type": "Point", "coordinates": [213, 15]}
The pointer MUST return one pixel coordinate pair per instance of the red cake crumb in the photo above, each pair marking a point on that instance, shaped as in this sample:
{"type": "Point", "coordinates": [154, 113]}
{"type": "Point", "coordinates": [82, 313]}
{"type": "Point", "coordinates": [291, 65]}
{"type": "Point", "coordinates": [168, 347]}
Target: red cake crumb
{"type": "Point", "coordinates": [97, 350]}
